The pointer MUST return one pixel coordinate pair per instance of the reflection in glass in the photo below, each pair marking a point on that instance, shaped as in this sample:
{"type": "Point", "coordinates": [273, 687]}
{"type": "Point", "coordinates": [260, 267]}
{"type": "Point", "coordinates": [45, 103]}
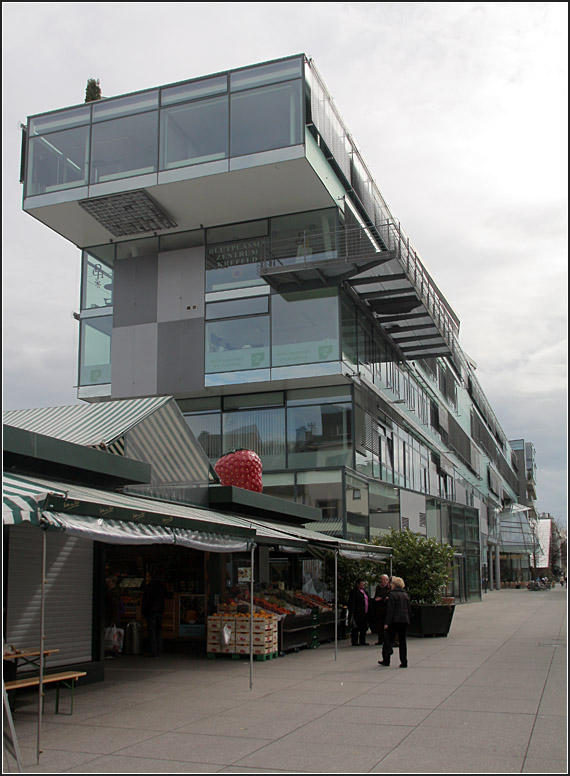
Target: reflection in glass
{"type": "Point", "coordinates": [194, 90]}
{"type": "Point", "coordinates": [234, 265]}
{"type": "Point", "coordinates": [125, 106]}
{"type": "Point", "coordinates": [97, 281]}
{"type": "Point", "coordinates": [64, 119]}
{"type": "Point", "coordinates": [304, 237]}
{"type": "Point", "coordinates": [95, 351]}
{"type": "Point", "coordinates": [319, 435]}
{"type": "Point", "coordinates": [58, 161]}
{"type": "Point", "coordinates": [207, 430]}
{"type": "Point", "coordinates": [324, 491]}
{"type": "Point", "coordinates": [305, 328]}
{"type": "Point", "coordinates": [384, 508]}
{"type": "Point", "coordinates": [262, 431]}
{"type": "Point", "coordinates": [193, 133]}
{"type": "Point", "coordinates": [266, 118]}
{"type": "Point", "coordinates": [237, 344]}
{"type": "Point", "coordinates": [264, 74]}
{"type": "Point", "coordinates": [124, 147]}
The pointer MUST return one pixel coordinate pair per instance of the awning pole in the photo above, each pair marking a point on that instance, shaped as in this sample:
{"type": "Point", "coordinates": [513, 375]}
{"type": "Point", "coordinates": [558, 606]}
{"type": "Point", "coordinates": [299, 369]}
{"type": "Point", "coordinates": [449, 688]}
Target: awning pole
{"type": "Point", "coordinates": [42, 641]}
{"type": "Point", "coordinates": [335, 603]}
{"type": "Point", "coordinates": [251, 619]}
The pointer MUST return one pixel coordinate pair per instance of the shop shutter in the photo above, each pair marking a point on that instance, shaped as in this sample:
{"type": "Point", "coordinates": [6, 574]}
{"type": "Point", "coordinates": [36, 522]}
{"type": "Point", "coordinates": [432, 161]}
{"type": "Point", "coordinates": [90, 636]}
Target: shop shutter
{"type": "Point", "coordinates": [68, 595]}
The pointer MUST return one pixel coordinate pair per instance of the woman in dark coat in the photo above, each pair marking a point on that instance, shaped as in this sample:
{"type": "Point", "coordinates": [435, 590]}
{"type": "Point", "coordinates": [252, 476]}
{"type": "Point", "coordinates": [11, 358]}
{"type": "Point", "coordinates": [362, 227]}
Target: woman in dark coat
{"type": "Point", "coordinates": [398, 616]}
{"type": "Point", "coordinates": [378, 607]}
{"type": "Point", "coordinates": [358, 610]}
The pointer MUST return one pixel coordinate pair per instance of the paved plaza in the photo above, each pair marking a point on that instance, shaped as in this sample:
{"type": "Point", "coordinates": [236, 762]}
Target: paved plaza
{"type": "Point", "coordinates": [489, 698]}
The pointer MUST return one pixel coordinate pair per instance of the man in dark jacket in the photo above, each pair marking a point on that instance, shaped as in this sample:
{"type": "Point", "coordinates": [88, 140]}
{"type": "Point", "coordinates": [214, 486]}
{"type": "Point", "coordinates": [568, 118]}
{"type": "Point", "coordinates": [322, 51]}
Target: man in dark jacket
{"type": "Point", "coordinates": [154, 593]}
{"type": "Point", "coordinates": [398, 616]}
{"type": "Point", "coordinates": [378, 607]}
{"type": "Point", "coordinates": [358, 606]}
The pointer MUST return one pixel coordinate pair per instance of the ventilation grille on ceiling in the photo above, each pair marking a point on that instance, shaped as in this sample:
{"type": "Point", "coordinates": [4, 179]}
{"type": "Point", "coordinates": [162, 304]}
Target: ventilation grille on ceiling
{"type": "Point", "coordinates": [133, 212]}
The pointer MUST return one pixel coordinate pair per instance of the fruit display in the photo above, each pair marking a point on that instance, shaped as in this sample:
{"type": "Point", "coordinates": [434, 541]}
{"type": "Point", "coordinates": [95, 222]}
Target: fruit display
{"type": "Point", "coordinates": [313, 601]}
{"type": "Point", "coordinates": [241, 468]}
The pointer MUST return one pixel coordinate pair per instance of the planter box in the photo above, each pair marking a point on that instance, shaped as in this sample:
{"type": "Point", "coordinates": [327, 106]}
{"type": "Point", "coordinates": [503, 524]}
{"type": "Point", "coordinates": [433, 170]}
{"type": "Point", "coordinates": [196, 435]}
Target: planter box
{"type": "Point", "coordinates": [431, 620]}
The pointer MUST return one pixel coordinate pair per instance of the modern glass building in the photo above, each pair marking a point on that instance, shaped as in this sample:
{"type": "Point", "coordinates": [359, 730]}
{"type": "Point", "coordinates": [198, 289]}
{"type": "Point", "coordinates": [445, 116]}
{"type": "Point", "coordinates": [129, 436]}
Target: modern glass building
{"type": "Point", "coordinates": [238, 255]}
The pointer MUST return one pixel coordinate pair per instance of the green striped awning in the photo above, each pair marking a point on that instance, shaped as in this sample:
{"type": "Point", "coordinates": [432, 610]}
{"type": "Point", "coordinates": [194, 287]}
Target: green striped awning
{"type": "Point", "coordinates": [86, 424]}
{"type": "Point", "coordinates": [22, 501]}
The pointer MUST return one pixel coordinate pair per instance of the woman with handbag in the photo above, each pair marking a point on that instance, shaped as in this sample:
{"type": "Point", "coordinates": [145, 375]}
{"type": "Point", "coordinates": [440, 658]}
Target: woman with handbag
{"type": "Point", "coordinates": [358, 608]}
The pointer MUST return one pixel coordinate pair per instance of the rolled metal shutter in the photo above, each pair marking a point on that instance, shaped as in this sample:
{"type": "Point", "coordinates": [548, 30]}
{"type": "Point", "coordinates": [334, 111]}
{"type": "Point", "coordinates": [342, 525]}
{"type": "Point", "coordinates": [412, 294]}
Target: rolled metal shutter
{"type": "Point", "coordinates": [68, 594]}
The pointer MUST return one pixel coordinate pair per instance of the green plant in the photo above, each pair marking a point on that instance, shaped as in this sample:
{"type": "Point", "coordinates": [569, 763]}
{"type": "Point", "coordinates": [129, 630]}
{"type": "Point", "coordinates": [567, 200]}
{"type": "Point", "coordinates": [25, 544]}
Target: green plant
{"type": "Point", "coordinates": [349, 572]}
{"type": "Point", "coordinates": [424, 564]}
{"type": "Point", "coordinates": [93, 90]}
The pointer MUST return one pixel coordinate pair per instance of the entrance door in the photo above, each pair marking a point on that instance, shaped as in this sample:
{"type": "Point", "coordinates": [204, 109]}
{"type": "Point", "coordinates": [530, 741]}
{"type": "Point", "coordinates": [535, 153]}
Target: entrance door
{"type": "Point", "coordinates": [459, 577]}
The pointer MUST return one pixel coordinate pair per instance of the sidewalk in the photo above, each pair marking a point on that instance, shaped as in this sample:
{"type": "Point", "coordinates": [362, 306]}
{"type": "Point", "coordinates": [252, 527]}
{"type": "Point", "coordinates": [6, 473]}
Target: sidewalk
{"type": "Point", "coordinates": [489, 698]}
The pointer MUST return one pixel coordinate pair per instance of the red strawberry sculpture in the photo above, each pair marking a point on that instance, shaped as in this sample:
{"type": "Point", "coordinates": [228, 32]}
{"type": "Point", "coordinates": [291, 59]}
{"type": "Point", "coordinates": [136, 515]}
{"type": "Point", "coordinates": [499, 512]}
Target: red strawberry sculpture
{"type": "Point", "coordinates": [241, 468]}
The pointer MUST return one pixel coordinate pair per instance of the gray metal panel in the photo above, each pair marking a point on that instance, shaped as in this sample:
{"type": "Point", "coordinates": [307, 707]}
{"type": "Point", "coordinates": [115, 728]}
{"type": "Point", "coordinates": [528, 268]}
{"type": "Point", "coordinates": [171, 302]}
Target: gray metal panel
{"type": "Point", "coordinates": [181, 284]}
{"type": "Point", "coordinates": [180, 359]}
{"type": "Point", "coordinates": [134, 358]}
{"type": "Point", "coordinates": [135, 290]}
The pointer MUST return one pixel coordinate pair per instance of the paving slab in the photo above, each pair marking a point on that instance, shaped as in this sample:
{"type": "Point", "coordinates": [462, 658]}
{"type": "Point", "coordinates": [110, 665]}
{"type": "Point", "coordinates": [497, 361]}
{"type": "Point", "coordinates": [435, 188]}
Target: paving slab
{"type": "Point", "coordinates": [489, 698]}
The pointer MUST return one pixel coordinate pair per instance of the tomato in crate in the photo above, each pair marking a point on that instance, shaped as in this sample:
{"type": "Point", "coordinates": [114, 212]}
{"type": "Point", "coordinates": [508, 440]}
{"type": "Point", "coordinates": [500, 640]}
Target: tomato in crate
{"type": "Point", "coordinates": [241, 468]}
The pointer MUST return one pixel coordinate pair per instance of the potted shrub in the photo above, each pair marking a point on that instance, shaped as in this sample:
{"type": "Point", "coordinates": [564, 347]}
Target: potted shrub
{"type": "Point", "coordinates": [425, 565]}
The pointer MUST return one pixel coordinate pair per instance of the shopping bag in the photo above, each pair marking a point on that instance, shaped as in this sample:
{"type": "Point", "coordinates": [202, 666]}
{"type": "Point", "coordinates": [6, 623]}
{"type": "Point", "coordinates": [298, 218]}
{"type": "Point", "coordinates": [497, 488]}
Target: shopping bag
{"type": "Point", "coordinates": [226, 635]}
{"type": "Point", "coordinates": [114, 638]}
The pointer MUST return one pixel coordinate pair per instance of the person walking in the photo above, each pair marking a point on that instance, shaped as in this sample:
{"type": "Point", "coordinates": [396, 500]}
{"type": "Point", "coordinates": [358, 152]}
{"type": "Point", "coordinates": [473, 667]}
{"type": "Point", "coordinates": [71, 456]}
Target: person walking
{"type": "Point", "coordinates": [154, 593]}
{"type": "Point", "coordinates": [358, 608]}
{"type": "Point", "coordinates": [398, 617]}
{"type": "Point", "coordinates": [378, 607]}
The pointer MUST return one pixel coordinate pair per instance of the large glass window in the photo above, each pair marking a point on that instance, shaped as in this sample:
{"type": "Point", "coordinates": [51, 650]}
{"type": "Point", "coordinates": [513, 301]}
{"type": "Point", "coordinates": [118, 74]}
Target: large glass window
{"type": "Point", "coordinates": [263, 74]}
{"type": "Point", "coordinates": [234, 264]}
{"type": "Point", "coordinates": [206, 428]}
{"type": "Point", "coordinates": [124, 147]}
{"type": "Point", "coordinates": [309, 236]}
{"type": "Point", "coordinates": [237, 344]}
{"type": "Point", "coordinates": [320, 435]}
{"type": "Point", "coordinates": [58, 161]}
{"type": "Point", "coordinates": [193, 133]}
{"type": "Point", "coordinates": [97, 277]}
{"type": "Point", "coordinates": [305, 328]}
{"type": "Point", "coordinates": [384, 508]}
{"type": "Point", "coordinates": [261, 430]}
{"type": "Point", "coordinates": [324, 491]}
{"type": "Point", "coordinates": [95, 352]}
{"type": "Point", "coordinates": [266, 118]}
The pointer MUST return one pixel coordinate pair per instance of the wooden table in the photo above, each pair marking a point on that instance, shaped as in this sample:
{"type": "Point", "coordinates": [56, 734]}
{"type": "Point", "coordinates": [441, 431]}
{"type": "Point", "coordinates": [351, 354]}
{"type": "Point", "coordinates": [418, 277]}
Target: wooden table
{"type": "Point", "coordinates": [29, 656]}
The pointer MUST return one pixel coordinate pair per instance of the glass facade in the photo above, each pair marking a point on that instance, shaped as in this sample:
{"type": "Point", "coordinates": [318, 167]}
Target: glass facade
{"type": "Point", "coordinates": [95, 351]}
{"type": "Point", "coordinates": [244, 112]}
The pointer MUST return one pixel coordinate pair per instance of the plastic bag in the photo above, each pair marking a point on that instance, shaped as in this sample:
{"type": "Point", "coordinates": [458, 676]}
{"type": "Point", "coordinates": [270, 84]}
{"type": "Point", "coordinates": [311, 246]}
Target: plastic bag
{"type": "Point", "coordinates": [114, 638]}
{"type": "Point", "coordinates": [226, 635]}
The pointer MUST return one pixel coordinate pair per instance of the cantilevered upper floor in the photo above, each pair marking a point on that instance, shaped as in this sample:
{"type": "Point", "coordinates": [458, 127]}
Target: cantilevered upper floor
{"type": "Point", "coordinates": [232, 147]}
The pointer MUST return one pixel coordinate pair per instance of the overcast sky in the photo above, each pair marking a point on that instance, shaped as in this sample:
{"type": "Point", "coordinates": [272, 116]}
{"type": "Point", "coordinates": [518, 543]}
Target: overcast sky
{"type": "Point", "coordinates": [459, 110]}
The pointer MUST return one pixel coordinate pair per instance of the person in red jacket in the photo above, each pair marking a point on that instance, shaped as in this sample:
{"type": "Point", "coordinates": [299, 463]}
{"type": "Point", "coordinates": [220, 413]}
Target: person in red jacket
{"type": "Point", "coordinates": [398, 616]}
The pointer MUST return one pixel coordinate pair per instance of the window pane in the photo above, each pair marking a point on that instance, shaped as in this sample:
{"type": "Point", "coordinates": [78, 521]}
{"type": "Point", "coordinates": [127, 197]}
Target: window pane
{"type": "Point", "coordinates": [95, 361]}
{"type": "Point", "coordinates": [304, 236]}
{"type": "Point", "coordinates": [252, 306]}
{"type": "Point", "coordinates": [304, 328]}
{"type": "Point", "coordinates": [193, 133]}
{"type": "Point", "coordinates": [237, 344]}
{"type": "Point", "coordinates": [124, 147]}
{"type": "Point", "coordinates": [137, 103]}
{"type": "Point", "coordinates": [324, 491]}
{"type": "Point", "coordinates": [266, 118]}
{"type": "Point", "coordinates": [332, 394]}
{"type": "Point", "coordinates": [234, 265]}
{"type": "Point", "coordinates": [58, 161]}
{"type": "Point", "coordinates": [207, 430]}
{"type": "Point", "coordinates": [319, 435]}
{"type": "Point", "coordinates": [262, 431]}
{"type": "Point", "coordinates": [194, 90]}
{"type": "Point", "coordinates": [97, 281]}
{"type": "Point", "coordinates": [61, 120]}
{"type": "Point", "coordinates": [264, 74]}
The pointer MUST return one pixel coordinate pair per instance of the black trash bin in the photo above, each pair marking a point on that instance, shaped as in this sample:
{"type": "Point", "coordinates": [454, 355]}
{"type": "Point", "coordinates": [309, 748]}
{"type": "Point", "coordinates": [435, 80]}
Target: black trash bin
{"type": "Point", "coordinates": [134, 638]}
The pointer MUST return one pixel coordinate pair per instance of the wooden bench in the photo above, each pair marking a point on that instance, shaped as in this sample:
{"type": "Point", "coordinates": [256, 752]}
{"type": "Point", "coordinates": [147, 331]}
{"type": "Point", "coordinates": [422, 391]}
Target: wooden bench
{"type": "Point", "coordinates": [67, 678]}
